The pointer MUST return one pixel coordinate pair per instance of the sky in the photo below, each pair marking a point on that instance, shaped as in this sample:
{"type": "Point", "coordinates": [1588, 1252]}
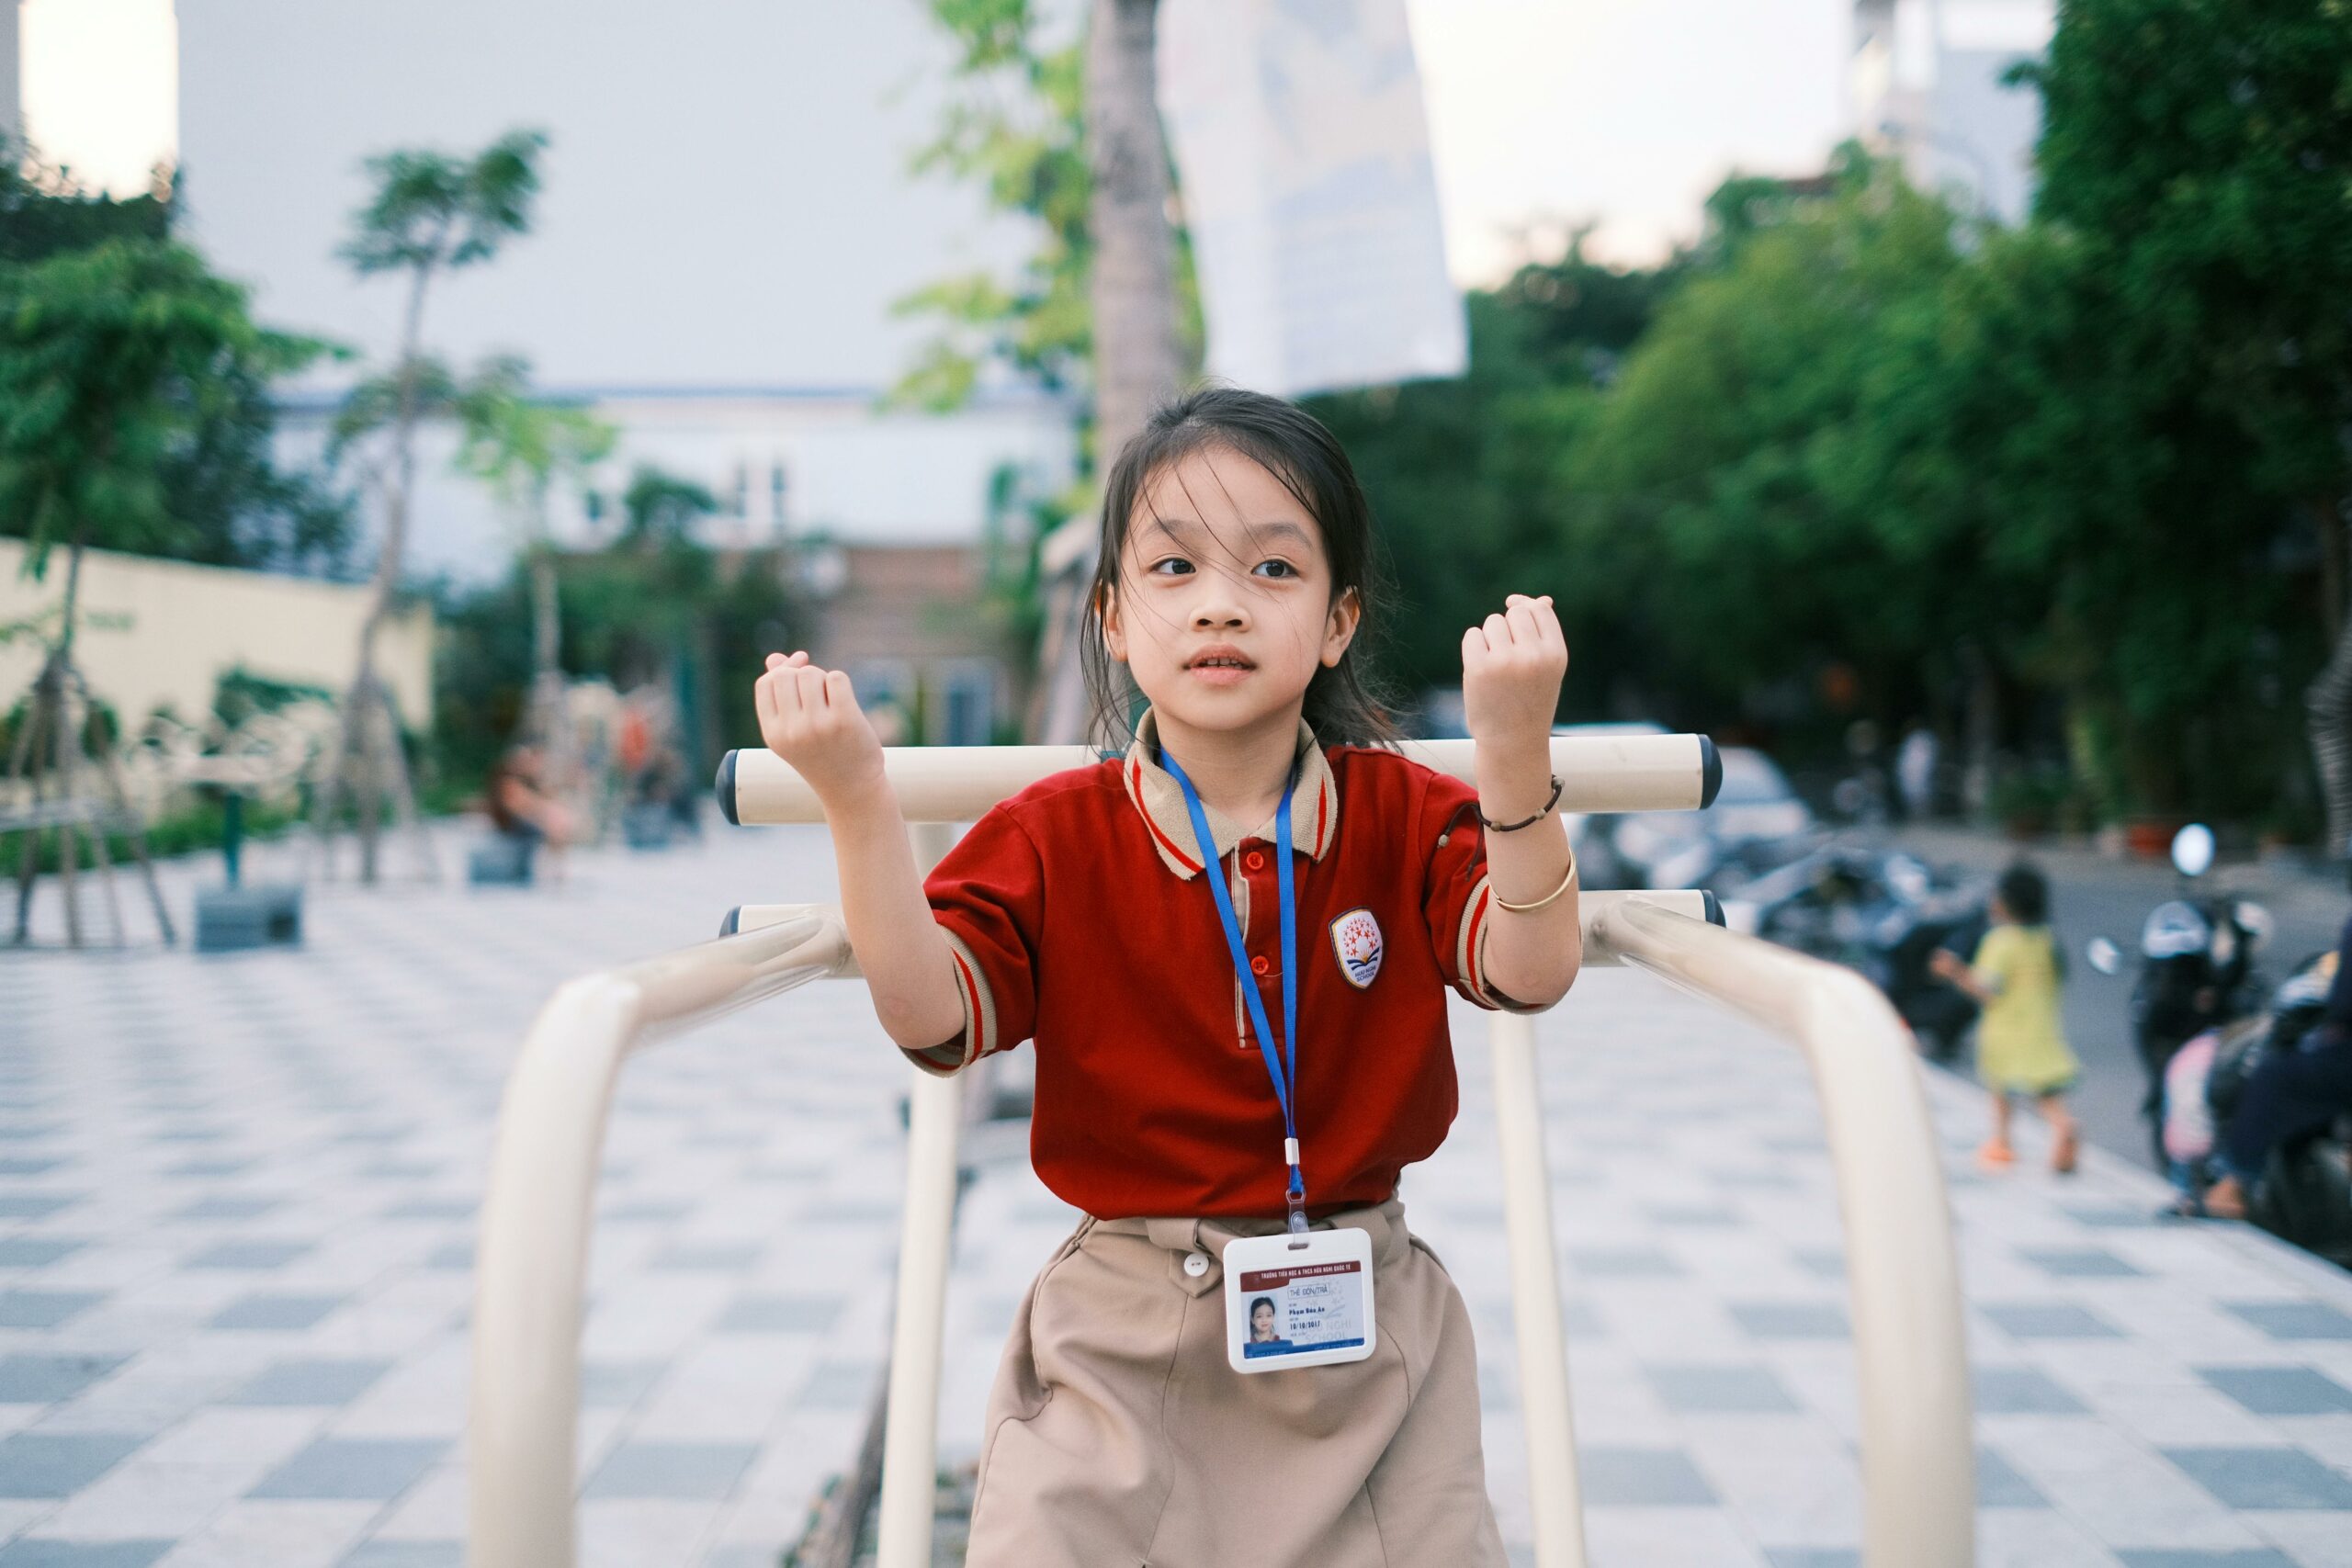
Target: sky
{"type": "Point", "coordinates": [1543, 113]}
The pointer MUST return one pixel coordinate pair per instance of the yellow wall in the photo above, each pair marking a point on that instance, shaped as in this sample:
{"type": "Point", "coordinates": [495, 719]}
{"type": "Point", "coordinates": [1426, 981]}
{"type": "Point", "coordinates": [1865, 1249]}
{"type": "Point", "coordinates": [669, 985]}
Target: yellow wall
{"type": "Point", "coordinates": [159, 632]}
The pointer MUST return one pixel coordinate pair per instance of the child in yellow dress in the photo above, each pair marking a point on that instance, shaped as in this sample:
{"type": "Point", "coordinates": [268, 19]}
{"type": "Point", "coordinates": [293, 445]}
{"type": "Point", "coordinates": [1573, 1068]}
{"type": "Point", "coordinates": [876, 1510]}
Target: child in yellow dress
{"type": "Point", "coordinates": [2020, 1044]}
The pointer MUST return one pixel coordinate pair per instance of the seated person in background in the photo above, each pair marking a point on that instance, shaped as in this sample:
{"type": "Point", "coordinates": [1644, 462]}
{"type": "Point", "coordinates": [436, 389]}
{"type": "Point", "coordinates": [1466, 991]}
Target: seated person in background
{"type": "Point", "coordinates": [522, 812]}
{"type": "Point", "coordinates": [2291, 1093]}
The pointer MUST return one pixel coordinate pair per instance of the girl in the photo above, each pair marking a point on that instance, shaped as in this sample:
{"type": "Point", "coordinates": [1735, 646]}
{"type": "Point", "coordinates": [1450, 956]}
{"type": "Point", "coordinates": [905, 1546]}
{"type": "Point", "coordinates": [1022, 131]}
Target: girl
{"type": "Point", "coordinates": [2020, 1044]}
{"type": "Point", "coordinates": [1346, 888]}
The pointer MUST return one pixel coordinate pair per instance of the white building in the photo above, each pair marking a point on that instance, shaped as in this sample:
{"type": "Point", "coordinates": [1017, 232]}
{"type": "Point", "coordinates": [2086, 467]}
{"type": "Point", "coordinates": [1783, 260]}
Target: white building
{"type": "Point", "coordinates": [726, 222]}
{"type": "Point", "coordinates": [11, 67]}
{"type": "Point", "coordinates": [1925, 84]}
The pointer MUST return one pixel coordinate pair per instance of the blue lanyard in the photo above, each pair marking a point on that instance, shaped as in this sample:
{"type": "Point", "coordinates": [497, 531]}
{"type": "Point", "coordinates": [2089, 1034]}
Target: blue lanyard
{"type": "Point", "coordinates": [1282, 1066]}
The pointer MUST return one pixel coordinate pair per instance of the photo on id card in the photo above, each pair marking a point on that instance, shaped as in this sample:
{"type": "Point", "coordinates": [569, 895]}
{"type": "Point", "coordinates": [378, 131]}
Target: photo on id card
{"type": "Point", "coordinates": [1298, 1300]}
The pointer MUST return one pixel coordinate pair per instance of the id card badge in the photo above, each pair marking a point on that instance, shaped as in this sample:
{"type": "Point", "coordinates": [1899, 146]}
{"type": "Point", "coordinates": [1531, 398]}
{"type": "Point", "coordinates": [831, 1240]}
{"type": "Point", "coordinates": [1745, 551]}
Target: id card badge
{"type": "Point", "coordinates": [1298, 1300]}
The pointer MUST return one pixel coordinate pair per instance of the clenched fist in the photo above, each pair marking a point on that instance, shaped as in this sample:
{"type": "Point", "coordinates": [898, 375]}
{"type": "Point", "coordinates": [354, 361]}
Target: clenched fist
{"type": "Point", "coordinates": [810, 718]}
{"type": "Point", "coordinates": [1511, 668]}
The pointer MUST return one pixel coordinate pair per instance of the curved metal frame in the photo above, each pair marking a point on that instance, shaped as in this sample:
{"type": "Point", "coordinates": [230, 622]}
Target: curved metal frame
{"type": "Point", "coordinates": [1918, 1454]}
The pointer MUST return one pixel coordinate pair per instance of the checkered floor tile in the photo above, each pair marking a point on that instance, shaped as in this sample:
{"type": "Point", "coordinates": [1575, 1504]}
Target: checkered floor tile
{"type": "Point", "coordinates": [236, 1215]}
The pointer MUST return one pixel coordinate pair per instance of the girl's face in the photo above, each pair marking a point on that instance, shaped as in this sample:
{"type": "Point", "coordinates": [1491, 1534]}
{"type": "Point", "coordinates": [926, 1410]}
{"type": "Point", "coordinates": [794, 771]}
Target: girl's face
{"type": "Point", "coordinates": [1262, 1321]}
{"type": "Point", "coordinates": [1223, 607]}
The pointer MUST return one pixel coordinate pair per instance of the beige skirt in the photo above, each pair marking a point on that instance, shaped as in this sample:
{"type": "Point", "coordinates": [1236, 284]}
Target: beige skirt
{"type": "Point", "coordinates": [1117, 1433]}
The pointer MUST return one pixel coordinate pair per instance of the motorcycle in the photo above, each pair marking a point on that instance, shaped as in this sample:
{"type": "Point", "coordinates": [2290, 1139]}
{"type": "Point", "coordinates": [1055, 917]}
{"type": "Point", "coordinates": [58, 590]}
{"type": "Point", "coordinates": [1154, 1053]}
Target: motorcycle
{"type": "Point", "coordinates": [1885, 914]}
{"type": "Point", "coordinates": [2304, 1194]}
{"type": "Point", "coordinates": [2197, 968]}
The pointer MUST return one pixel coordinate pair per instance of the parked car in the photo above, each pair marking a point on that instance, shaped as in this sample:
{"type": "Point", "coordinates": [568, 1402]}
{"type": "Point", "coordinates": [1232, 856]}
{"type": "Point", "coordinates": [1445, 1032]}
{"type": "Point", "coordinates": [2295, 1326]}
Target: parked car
{"type": "Point", "coordinates": [1756, 823]}
{"type": "Point", "coordinates": [1593, 834]}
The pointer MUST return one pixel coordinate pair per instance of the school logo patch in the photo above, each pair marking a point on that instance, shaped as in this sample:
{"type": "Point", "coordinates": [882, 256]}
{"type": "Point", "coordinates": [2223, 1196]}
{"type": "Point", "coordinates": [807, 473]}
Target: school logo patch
{"type": "Point", "coordinates": [1355, 937]}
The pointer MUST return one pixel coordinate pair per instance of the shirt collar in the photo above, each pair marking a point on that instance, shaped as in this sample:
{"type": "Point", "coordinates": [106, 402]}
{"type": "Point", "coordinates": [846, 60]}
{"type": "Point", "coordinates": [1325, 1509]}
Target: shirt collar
{"type": "Point", "coordinates": [1314, 808]}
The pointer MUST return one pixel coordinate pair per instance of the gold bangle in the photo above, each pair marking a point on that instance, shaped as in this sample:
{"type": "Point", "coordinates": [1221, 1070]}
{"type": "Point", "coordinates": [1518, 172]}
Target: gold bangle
{"type": "Point", "coordinates": [1563, 887]}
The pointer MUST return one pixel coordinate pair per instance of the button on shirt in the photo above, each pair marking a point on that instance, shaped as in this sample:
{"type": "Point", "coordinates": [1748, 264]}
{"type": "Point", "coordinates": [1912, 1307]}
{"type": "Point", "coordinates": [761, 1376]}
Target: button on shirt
{"type": "Point", "coordinates": [1076, 916]}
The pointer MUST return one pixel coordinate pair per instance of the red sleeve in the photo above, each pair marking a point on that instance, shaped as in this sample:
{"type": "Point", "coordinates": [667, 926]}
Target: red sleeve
{"type": "Point", "coordinates": [1455, 900]}
{"type": "Point", "coordinates": [988, 897]}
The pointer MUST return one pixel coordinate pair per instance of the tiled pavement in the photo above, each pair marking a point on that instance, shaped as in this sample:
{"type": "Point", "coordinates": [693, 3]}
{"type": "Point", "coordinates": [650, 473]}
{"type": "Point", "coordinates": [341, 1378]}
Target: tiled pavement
{"type": "Point", "coordinates": [236, 1201]}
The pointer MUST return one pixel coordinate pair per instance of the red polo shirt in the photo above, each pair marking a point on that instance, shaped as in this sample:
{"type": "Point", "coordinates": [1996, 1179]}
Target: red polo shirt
{"type": "Point", "coordinates": [1076, 917]}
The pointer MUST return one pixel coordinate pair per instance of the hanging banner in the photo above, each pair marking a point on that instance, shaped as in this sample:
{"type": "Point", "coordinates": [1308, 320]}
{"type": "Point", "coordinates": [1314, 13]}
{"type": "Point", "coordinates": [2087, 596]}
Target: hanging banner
{"type": "Point", "coordinates": [1303, 154]}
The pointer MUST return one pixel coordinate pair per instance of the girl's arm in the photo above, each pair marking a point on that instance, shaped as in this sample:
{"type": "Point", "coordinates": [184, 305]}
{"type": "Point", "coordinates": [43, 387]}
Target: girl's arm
{"type": "Point", "coordinates": [810, 718]}
{"type": "Point", "coordinates": [1512, 667]}
{"type": "Point", "coordinates": [1956, 970]}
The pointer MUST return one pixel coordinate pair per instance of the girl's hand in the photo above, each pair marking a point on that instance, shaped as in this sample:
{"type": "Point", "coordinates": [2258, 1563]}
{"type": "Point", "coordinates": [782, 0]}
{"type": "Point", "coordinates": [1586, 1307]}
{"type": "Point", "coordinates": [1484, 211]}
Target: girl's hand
{"type": "Point", "coordinates": [1512, 667]}
{"type": "Point", "coordinates": [810, 718]}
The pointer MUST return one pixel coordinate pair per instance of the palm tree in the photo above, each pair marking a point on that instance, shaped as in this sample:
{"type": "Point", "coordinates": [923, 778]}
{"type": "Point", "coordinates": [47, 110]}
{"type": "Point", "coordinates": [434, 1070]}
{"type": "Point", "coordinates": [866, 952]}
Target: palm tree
{"type": "Point", "coordinates": [1137, 360]}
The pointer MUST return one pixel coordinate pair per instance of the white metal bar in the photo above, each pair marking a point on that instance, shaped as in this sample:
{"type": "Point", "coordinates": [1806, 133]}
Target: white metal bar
{"type": "Point", "coordinates": [1695, 903]}
{"type": "Point", "coordinates": [1552, 1490]}
{"type": "Point", "coordinates": [957, 783]}
{"type": "Point", "coordinates": [1918, 1457]}
{"type": "Point", "coordinates": [926, 1235]}
{"type": "Point", "coordinates": [533, 1257]}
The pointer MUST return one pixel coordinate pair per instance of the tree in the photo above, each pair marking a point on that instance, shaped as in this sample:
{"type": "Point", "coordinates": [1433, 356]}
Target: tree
{"type": "Point", "coordinates": [112, 361]}
{"type": "Point", "coordinates": [226, 500]}
{"type": "Point", "coordinates": [2150, 389]}
{"type": "Point", "coordinates": [1462, 473]}
{"type": "Point", "coordinates": [44, 211]}
{"type": "Point", "coordinates": [2197, 154]}
{"type": "Point", "coordinates": [110, 357]}
{"type": "Point", "coordinates": [525, 449]}
{"type": "Point", "coordinates": [1017, 131]}
{"type": "Point", "coordinates": [1132, 286]}
{"type": "Point", "coordinates": [431, 213]}
{"type": "Point", "coordinates": [1703, 508]}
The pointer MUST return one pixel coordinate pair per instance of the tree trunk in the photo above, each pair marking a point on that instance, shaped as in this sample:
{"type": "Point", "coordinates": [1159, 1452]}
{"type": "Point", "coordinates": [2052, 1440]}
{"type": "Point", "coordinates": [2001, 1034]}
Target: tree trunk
{"type": "Point", "coordinates": [1133, 294]}
{"type": "Point", "coordinates": [546, 627]}
{"type": "Point", "coordinates": [1132, 290]}
{"type": "Point", "coordinates": [369, 779]}
{"type": "Point", "coordinates": [2328, 703]}
{"type": "Point", "coordinates": [1983, 731]}
{"type": "Point", "coordinates": [72, 593]}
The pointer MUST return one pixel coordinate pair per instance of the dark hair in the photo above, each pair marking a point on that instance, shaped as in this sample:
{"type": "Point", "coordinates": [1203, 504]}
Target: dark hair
{"type": "Point", "coordinates": [2025, 893]}
{"type": "Point", "coordinates": [1266, 1302]}
{"type": "Point", "coordinates": [1292, 446]}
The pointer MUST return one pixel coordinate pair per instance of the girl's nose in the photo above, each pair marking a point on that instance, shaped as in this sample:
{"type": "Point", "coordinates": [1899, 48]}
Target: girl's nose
{"type": "Point", "coordinates": [1218, 605]}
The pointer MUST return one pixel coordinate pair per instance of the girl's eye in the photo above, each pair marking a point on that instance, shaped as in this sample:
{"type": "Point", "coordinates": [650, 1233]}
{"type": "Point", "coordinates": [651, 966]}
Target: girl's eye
{"type": "Point", "coordinates": [1277, 567]}
{"type": "Point", "coordinates": [1170, 566]}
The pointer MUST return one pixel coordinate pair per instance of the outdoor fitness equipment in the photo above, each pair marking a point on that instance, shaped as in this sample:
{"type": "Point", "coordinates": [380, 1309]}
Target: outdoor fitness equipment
{"type": "Point", "coordinates": [1917, 1453]}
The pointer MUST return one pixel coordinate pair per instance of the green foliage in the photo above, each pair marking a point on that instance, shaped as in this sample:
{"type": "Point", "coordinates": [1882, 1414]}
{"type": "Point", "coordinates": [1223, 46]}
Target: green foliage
{"type": "Point", "coordinates": [1714, 485]}
{"type": "Point", "coordinates": [520, 447]}
{"type": "Point", "coordinates": [240, 694]}
{"type": "Point", "coordinates": [432, 210]}
{"type": "Point", "coordinates": [654, 607]}
{"type": "Point", "coordinates": [1017, 132]}
{"type": "Point", "coordinates": [1461, 473]}
{"type": "Point", "coordinates": [115, 363]}
{"type": "Point", "coordinates": [215, 493]}
{"type": "Point", "coordinates": [44, 211]}
{"type": "Point", "coordinates": [662, 507]}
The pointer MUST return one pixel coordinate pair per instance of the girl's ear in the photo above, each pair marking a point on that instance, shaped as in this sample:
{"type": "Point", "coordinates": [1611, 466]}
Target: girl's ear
{"type": "Point", "coordinates": [1114, 633]}
{"type": "Point", "coordinates": [1339, 629]}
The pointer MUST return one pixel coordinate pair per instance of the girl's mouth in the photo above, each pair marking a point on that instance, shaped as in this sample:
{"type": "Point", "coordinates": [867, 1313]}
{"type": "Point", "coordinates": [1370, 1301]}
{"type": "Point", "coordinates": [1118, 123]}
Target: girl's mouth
{"type": "Point", "coordinates": [1220, 670]}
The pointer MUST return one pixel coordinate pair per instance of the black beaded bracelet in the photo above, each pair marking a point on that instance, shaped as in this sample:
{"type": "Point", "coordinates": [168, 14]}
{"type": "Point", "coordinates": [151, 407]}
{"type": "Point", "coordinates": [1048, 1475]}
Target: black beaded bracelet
{"type": "Point", "coordinates": [1524, 822]}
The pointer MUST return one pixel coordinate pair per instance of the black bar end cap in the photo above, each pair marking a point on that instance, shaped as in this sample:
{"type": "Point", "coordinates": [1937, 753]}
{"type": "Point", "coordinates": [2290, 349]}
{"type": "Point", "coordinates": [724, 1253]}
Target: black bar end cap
{"type": "Point", "coordinates": [725, 788]}
{"type": "Point", "coordinates": [1714, 907]}
{"type": "Point", "coordinates": [734, 920]}
{"type": "Point", "coordinates": [1711, 776]}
